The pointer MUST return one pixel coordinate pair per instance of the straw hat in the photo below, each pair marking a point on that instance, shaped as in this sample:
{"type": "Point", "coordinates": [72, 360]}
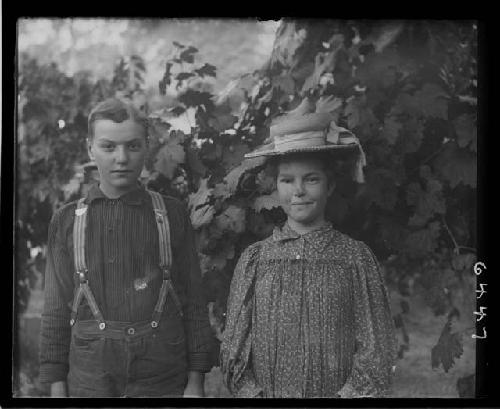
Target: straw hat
{"type": "Point", "coordinates": [304, 131]}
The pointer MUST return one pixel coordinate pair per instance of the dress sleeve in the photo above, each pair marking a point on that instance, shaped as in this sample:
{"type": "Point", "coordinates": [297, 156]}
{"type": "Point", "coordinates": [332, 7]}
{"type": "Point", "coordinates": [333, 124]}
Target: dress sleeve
{"type": "Point", "coordinates": [55, 330]}
{"type": "Point", "coordinates": [235, 351]}
{"type": "Point", "coordinates": [376, 343]}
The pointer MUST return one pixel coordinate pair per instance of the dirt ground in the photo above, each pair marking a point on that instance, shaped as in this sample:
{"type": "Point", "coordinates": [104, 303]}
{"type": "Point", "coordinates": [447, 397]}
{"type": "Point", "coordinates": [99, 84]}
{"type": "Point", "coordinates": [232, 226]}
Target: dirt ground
{"type": "Point", "coordinates": [414, 378]}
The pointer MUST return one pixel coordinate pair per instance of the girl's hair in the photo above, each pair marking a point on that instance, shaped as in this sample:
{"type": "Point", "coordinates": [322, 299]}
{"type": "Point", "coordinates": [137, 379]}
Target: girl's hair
{"type": "Point", "coordinates": [331, 165]}
{"type": "Point", "coordinates": [116, 110]}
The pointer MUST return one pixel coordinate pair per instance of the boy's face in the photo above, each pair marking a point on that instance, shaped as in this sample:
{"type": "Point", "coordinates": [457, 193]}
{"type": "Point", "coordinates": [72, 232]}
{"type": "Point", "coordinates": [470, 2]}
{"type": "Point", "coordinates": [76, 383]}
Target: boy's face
{"type": "Point", "coordinates": [119, 150]}
{"type": "Point", "coordinates": [303, 190]}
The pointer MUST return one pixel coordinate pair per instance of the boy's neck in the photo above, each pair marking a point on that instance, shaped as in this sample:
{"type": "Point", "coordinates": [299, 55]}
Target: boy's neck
{"type": "Point", "coordinates": [113, 193]}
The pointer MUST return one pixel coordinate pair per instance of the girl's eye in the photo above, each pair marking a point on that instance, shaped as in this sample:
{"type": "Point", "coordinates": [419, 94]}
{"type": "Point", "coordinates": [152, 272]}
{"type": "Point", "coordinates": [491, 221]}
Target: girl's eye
{"type": "Point", "coordinates": [313, 179]}
{"type": "Point", "coordinates": [284, 180]}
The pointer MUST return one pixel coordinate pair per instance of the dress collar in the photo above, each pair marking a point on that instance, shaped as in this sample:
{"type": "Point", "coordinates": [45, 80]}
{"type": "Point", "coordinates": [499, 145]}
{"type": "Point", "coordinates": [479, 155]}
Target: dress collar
{"type": "Point", "coordinates": [135, 197]}
{"type": "Point", "coordinates": [318, 238]}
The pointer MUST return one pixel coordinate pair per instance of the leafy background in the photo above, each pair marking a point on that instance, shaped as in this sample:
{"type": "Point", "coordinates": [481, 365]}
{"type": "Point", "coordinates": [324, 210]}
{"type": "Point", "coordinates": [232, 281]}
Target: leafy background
{"type": "Point", "coordinates": [211, 89]}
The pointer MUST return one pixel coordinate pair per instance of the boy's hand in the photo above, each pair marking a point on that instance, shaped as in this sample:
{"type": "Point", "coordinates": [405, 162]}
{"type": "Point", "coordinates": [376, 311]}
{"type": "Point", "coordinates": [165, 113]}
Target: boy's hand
{"type": "Point", "coordinates": [58, 390]}
{"type": "Point", "coordinates": [195, 385]}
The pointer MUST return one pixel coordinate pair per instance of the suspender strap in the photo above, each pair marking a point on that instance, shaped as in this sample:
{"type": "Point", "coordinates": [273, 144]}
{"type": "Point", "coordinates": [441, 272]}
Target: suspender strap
{"type": "Point", "coordinates": [79, 235]}
{"type": "Point", "coordinates": [165, 258]}
{"type": "Point", "coordinates": [79, 228]}
{"type": "Point", "coordinates": [163, 233]}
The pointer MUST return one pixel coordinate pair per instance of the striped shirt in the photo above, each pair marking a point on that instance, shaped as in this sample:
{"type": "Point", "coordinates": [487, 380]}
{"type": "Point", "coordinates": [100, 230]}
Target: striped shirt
{"type": "Point", "coordinates": [122, 257]}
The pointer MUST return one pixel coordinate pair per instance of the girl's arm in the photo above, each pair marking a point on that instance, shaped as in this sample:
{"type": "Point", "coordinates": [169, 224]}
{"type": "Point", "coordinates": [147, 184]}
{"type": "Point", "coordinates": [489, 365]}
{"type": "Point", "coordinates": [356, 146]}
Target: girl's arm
{"type": "Point", "coordinates": [376, 343]}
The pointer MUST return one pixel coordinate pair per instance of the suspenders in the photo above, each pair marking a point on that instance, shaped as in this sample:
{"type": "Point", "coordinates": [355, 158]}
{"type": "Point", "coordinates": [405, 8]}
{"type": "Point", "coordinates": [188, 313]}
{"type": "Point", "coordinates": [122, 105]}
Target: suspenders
{"type": "Point", "coordinates": [84, 290]}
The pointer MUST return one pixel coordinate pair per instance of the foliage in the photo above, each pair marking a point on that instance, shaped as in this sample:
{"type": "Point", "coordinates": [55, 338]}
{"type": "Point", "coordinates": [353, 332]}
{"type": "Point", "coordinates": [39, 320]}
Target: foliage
{"type": "Point", "coordinates": [407, 90]}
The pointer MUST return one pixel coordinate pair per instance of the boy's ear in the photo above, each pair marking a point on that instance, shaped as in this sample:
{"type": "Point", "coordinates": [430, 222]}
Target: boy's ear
{"type": "Point", "coordinates": [89, 149]}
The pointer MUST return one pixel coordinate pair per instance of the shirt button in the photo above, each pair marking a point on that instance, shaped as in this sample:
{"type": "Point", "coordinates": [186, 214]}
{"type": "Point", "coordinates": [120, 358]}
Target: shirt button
{"type": "Point", "coordinates": [111, 259]}
{"type": "Point", "coordinates": [297, 256]}
{"type": "Point", "coordinates": [131, 331]}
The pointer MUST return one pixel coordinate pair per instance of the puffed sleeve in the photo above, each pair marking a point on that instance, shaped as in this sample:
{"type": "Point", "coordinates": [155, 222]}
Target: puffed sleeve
{"type": "Point", "coordinates": [235, 352]}
{"type": "Point", "coordinates": [376, 343]}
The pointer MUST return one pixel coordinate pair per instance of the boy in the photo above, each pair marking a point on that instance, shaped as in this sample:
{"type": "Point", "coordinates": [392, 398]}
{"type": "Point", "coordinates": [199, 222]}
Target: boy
{"type": "Point", "coordinates": [124, 313]}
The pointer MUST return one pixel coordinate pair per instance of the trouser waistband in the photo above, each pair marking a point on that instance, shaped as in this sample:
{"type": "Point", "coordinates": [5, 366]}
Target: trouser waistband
{"type": "Point", "coordinates": [114, 329]}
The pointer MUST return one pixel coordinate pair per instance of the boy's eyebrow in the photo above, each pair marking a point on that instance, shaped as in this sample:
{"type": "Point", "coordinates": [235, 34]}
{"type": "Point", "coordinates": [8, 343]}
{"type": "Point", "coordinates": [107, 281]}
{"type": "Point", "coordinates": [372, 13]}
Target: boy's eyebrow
{"type": "Point", "coordinates": [105, 140]}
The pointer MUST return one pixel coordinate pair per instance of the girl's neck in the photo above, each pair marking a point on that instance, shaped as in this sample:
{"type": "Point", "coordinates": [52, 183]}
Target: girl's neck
{"type": "Point", "coordinates": [302, 228]}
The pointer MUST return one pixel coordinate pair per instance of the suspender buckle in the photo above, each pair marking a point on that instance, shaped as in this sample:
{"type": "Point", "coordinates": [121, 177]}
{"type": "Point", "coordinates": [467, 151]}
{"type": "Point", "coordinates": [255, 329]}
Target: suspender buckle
{"type": "Point", "coordinates": [166, 273]}
{"type": "Point", "coordinates": [82, 276]}
{"type": "Point", "coordinates": [72, 322]}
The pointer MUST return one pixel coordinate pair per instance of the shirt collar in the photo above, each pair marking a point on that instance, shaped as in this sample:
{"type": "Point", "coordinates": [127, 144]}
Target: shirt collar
{"type": "Point", "coordinates": [318, 238]}
{"type": "Point", "coordinates": [135, 197]}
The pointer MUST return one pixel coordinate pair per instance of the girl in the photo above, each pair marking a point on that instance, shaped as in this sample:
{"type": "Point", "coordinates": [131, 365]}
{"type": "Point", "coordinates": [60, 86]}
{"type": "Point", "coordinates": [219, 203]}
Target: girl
{"type": "Point", "coordinates": [308, 313]}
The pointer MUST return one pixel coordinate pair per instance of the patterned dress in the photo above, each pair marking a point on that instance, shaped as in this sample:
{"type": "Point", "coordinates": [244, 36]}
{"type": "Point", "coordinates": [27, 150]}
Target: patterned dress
{"type": "Point", "coordinates": [308, 316]}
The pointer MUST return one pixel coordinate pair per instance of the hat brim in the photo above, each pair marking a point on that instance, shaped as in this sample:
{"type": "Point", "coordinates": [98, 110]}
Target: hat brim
{"type": "Point", "coordinates": [270, 151]}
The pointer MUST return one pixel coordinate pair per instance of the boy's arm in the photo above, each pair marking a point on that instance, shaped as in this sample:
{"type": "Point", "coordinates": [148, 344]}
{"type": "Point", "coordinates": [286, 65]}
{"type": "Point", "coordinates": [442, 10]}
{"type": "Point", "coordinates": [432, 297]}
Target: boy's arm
{"type": "Point", "coordinates": [55, 329]}
{"type": "Point", "coordinates": [196, 323]}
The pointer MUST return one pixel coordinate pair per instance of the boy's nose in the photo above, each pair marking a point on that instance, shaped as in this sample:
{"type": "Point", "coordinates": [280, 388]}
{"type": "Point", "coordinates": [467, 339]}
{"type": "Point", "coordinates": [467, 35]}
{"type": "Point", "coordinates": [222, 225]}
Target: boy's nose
{"type": "Point", "coordinates": [121, 155]}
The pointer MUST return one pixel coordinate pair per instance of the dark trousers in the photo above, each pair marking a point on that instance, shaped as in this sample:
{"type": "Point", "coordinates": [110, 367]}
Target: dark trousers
{"type": "Point", "coordinates": [128, 359]}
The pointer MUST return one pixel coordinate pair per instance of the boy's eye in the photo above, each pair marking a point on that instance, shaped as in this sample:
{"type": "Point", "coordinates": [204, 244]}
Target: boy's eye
{"type": "Point", "coordinates": [135, 146]}
{"type": "Point", "coordinates": [285, 180]}
{"type": "Point", "coordinates": [107, 146]}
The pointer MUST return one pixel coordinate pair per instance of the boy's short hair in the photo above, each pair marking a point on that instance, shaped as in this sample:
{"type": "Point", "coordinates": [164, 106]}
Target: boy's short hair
{"type": "Point", "coordinates": [116, 110]}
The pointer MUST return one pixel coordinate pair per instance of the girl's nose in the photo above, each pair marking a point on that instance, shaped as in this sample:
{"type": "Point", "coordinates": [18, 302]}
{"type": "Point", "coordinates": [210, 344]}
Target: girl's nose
{"type": "Point", "coordinates": [299, 189]}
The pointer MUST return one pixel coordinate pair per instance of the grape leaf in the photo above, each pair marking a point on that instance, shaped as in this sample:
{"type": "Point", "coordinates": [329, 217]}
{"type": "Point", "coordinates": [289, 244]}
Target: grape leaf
{"type": "Point", "coordinates": [328, 104]}
{"type": "Point", "coordinates": [72, 187]}
{"type": "Point", "coordinates": [201, 216]}
{"type": "Point", "coordinates": [265, 181]}
{"type": "Point", "coordinates": [391, 129]}
{"type": "Point", "coordinates": [195, 164]}
{"type": "Point", "coordinates": [201, 197]}
{"type": "Point", "coordinates": [457, 165]}
{"type": "Point", "coordinates": [381, 188]}
{"type": "Point", "coordinates": [448, 348]}
{"type": "Point", "coordinates": [207, 70]}
{"type": "Point", "coordinates": [187, 55]}
{"type": "Point", "coordinates": [231, 219]}
{"type": "Point", "coordinates": [221, 118]}
{"type": "Point", "coordinates": [285, 83]}
{"type": "Point", "coordinates": [266, 202]}
{"type": "Point", "coordinates": [463, 261]}
{"type": "Point", "coordinates": [234, 155]}
{"type": "Point", "coordinates": [427, 202]}
{"type": "Point", "coordinates": [466, 130]}
{"type": "Point", "coordinates": [232, 179]}
{"type": "Point", "coordinates": [432, 101]}
{"type": "Point", "coordinates": [411, 135]}
{"type": "Point", "coordinates": [424, 241]}
{"type": "Point", "coordinates": [170, 155]}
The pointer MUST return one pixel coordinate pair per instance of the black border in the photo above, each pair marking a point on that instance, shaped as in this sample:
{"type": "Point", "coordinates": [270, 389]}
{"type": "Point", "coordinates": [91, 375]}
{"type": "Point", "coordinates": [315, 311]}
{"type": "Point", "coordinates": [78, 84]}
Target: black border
{"type": "Point", "coordinates": [486, 379]}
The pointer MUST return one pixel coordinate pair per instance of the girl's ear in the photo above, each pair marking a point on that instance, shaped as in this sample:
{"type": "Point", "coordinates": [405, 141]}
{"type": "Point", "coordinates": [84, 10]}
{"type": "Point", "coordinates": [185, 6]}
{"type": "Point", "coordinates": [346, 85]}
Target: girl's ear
{"type": "Point", "coordinates": [331, 187]}
{"type": "Point", "coordinates": [89, 149]}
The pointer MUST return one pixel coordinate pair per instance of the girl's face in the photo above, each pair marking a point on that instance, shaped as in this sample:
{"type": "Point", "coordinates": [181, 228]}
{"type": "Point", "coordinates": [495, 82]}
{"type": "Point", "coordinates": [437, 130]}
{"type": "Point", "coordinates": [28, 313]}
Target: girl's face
{"type": "Point", "coordinates": [303, 190]}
